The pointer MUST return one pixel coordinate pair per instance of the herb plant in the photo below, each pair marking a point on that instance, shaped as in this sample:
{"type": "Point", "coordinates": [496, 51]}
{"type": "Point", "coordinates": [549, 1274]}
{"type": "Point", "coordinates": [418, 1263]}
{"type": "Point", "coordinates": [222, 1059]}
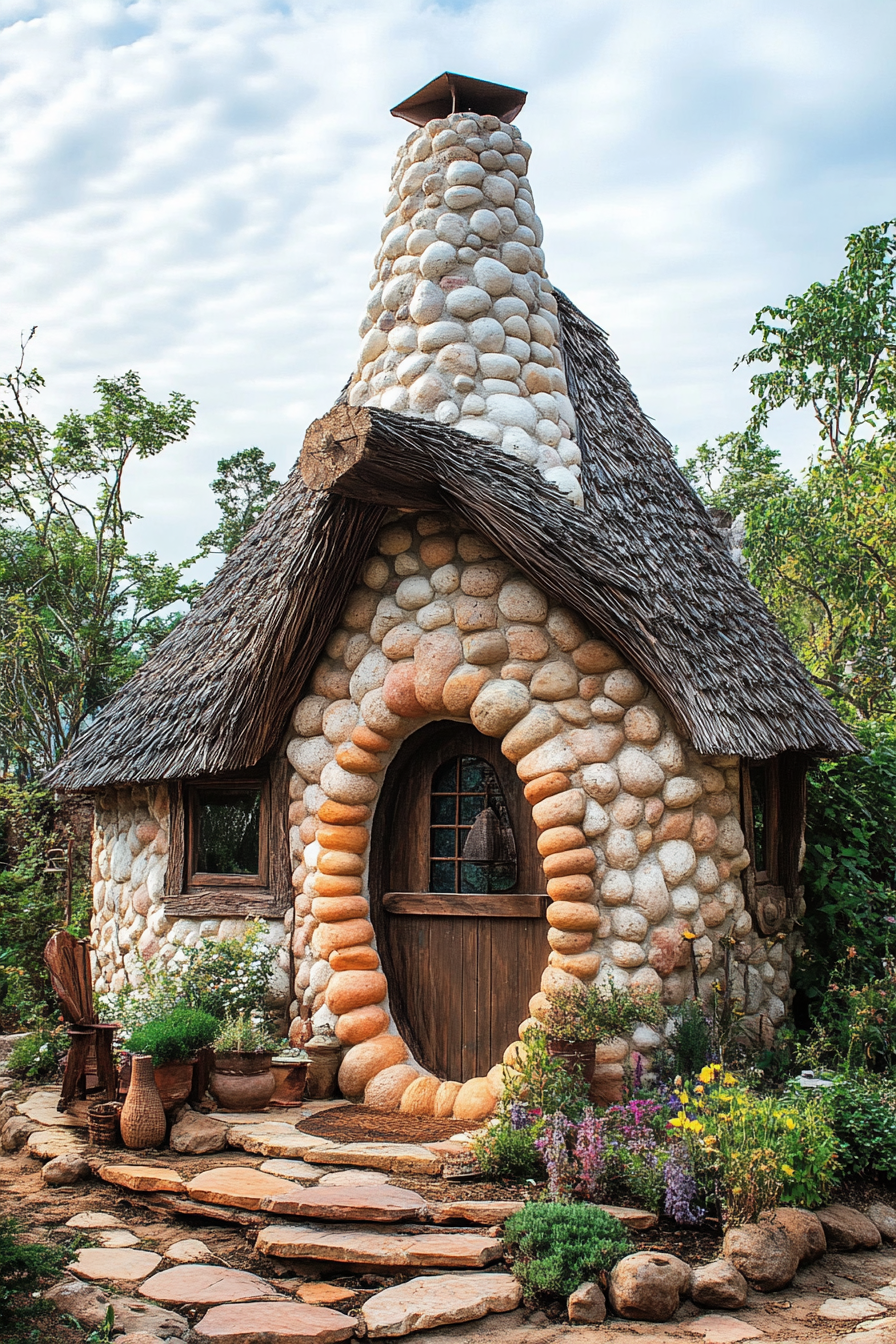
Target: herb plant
{"type": "Point", "coordinates": [23, 1267]}
{"type": "Point", "coordinates": [555, 1247]}
{"type": "Point", "coordinates": [244, 1033]}
{"type": "Point", "coordinates": [599, 1014]}
{"type": "Point", "coordinates": [173, 1039]}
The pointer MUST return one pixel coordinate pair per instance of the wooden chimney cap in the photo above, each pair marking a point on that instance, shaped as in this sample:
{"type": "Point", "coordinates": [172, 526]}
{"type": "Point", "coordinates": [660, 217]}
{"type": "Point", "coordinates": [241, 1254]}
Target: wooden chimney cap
{"type": "Point", "coordinates": [459, 93]}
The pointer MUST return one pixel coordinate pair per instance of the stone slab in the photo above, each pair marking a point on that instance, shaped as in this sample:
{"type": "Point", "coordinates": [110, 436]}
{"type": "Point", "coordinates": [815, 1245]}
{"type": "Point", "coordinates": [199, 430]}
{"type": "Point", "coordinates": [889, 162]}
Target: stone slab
{"type": "Point", "coordinates": [849, 1309]}
{"type": "Point", "coordinates": [91, 1219]}
{"type": "Point", "coordinates": [637, 1220]}
{"type": "Point", "coordinates": [41, 1108]}
{"type": "Point", "coordinates": [325, 1294]}
{"type": "Point", "coordinates": [291, 1170]}
{"type": "Point", "coordinates": [45, 1144]}
{"type": "Point", "coordinates": [356, 1176]}
{"type": "Point", "coordinates": [116, 1266]}
{"type": "Point", "coordinates": [442, 1299]}
{"type": "Point", "coordinates": [886, 1295]}
{"type": "Point", "coordinates": [723, 1329]}
{"type": "Point", "coordinates": [485, 1212]}
{"type": "Point", "coordinates": [464, 1250]}
{"type": "Point", "coordinates": [206, 1286]}
{"type": "Point", "coordinates": [363, 1204]}
{"type": "Point", "coordinates": [407, 1157]}
{"type": "Point", "coordinates": [274, 1323]}
{"type": "Point", "coordinates": [275, 1140]}
{"type": "Point", "coordinates": [238, 1187]}
{"type": "Point", "coordinates": [190, 1251]}
{"type": "Point", "coordinates": [117, 1238]}
{"type": "Point", "coordinates": [284, 1115]}
{"type": "Point", "coordinates": [143, 1178]}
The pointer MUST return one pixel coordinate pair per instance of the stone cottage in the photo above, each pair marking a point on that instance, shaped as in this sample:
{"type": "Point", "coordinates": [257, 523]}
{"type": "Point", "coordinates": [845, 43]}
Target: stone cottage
{"type": "Point", "coordinates": [483, 705]}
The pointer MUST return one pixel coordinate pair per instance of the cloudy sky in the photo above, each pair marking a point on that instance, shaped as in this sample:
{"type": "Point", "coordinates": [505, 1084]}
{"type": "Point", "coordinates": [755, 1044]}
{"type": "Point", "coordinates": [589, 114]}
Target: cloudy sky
{"type": "Point", "coordinates": [193, 189]}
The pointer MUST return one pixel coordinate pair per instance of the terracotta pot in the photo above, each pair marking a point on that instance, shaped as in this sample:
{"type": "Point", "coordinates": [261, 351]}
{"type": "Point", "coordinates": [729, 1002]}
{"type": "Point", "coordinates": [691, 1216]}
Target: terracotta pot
{"type": "Point", "coordinates": [174, 1082]}
{"type": "Point", "coordinates": [575, 1055]}
{"type": "Point", "coordinates": [242, 1080]}
{"type": "Point", "coordinates": [143, 1123]}
{"type": "Point", "coordinates": [325, 1054]}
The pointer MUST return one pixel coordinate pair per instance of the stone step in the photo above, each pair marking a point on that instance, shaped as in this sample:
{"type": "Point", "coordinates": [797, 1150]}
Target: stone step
{"type": "Point", "coordinates": [411, 1158]}
{"type": "Point", "coordinates": [238, 1187]}
{"type": "Point", "coordinates": [351, 1246]}
{"type": "Point", "coordinates": [206, 1286]}
{"type": "Point", "coordinates": [442, 1299]}
{"type": "Point", "coordinates": [143, 1178]}
{"type": "Point", "coordinates": [274, 1323]}
{"type": "Point", "coordinates": [116, 1266]}
{"type": "Point", "coordinates": [366, 1204]}
{"type": "Point", "coordinates": [636, 1220]}
{"type": "Point", "coordinates": [274, 1139]}
{"type": "Point", "coordinates": [486, 1212]}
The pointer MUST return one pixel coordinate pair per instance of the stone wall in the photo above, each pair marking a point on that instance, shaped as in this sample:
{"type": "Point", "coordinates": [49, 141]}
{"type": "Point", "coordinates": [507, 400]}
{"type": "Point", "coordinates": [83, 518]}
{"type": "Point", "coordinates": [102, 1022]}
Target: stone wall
{"type": "Point", "coordinates": [640, 836]}
{"type": "Point", "coordinates": [461, 324]}
{"type": "Point", "coordinates": [129, 924]}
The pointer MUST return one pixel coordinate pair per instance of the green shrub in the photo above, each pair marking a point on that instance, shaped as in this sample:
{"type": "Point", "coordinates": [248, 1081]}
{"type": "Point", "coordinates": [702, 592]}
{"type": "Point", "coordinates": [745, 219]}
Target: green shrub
{"type": "Point", "coordinates": [509, 1154]}
{"type": "Point", "coordinates": [38, 1056]}
{"type": "Point", "coordinates": [600, 1014]}
{"type": "Point", "coordinates": [864, 1117]}
{"type": "Point", "coordinates": [555, 1247]}
{"type": "Point", "coordinates": [22, 1270]}
{"type": "Point", "coordinates": [541, 1081]}
{"type": "Point", "coordinates": [690, 1040]}
{"type": "Point", "coordinates": [243, 1032]}
{"type": "Point", "coordinates": [174, 1038]}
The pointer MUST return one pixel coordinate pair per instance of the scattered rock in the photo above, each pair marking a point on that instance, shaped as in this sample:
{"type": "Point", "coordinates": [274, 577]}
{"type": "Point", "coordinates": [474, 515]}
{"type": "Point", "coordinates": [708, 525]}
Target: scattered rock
{"type": "Point", "coordinates": [764, 1254]}
{"type": "Point", "coordinates": [143, 1178]}
{"type": "Point", "coordinates": [41, 1107]}
{"type": "Point", "coordinates": [195, 1133]}
{"type": "Point", "coordinates": [849, 1309]}
{"type": "Point", "coordinates": [190, 1251]}
{"type": "Point", "coordinates": [647, 1286]}
{"type": "Point", "coordinates": [383, 1204]}
{"type": "Point", "coordinates": [723, 1329]}
{"type": "Point", "coordinates": [425, 1303]}
{"type": "Point", "coordinates": [139, 1337]}
{"type": "Point", "coordinates": [145, 1317]}
{"type": "Point", "coordinates": [638, 1220]}
{"type": "Point", "coordinates": [718, 1284]}
{"type": "Point", "coordinates": [437, 1250]}
{"type": "Point", "coordinates": [45, 1144]}
{"type": "Point", "coordinates": [587, 1305]}
{"type": "Point", "coordinates": [65, 1170]}
{"type": "Point", "coordinates": [116, 1266]}
{"type": "Point", "coordinates": [117, 1239]}
{"type": "Point", "coordinates": [274, 1323]}
{"type": "Point", "coordinates": [91, 1219]}
{"type": "Point", "coordinates": [206, 1286]}
{"type": "Point", "coordinates": [16, 1132]}
{"type": "Point", "coordinates": [238, 1187]}
{"type": "Point", "coordinates": [846, 1229]}
{"type": "Point", "coordinates": [804, 1230]}
{"type": "Point", "coordinates": [325, 1294]}
{"type": "Point", "coordinates": [82, 1300]}
{"type": "Point", "coordinates": [883, 1216]}
{"type": "Point", "coordinates": [273, 1139]}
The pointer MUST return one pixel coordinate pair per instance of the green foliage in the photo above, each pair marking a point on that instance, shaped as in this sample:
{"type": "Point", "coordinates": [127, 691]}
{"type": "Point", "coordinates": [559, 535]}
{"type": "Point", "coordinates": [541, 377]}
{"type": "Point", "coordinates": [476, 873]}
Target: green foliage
{"type": "Point", "coordinates": [555, 1247]}
{"type": "Point", "coordinates": [174, 1038]}
{"type": "Point", "coordinates": [864, 1121]}
{"type": "Point", "coordinates": [31, 903]}
{"type": "Point", "coordinates": [541, 1081]}
{"type": "Point", "coordinates": [220, 978]}
{"type": "Point", "coordinates": [690, 1041]}
{"type": "Point", "coordinates": [78, 609]}
{"type": "Point", "coordinates": [505, 1153]}
{"type": "Point", "coordinates": [38, 1056]}
{"type": "Point", "coordinates": [599, 1014]}
{"type": "Point", "coordinates": [822, 549]}
{"type": "Point", "coordinates": [247, 1032]}
{"type": "Point", "coordinates": [103, 1333]}
{"type": "Point", "coordinates": [243, 487]}
{"type": "Point", "coordinates": [23, 1269]}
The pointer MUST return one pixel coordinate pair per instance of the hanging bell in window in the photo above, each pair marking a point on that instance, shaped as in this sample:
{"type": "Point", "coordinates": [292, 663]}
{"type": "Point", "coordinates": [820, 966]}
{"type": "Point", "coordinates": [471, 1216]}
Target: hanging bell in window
{"type": "Point", "coordinates": [485, 842]}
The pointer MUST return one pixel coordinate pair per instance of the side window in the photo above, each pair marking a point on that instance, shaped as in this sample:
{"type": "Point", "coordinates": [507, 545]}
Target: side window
{"type": "Point", "coordinates": [227, 827]}
{"type": "Point", "coordinates": [471, 842]}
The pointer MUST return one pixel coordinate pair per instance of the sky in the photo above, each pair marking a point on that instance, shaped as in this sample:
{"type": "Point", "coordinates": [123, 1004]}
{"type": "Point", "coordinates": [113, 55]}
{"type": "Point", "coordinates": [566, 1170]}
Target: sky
{"type": "Point", "coordinates": [194, 188]}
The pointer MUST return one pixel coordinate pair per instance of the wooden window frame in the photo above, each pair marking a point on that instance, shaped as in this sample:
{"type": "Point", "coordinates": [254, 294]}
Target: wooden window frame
{"type": "Point", "coordinates": [266, 894]}
{"type": "Point", "coordinates": [772, 891]}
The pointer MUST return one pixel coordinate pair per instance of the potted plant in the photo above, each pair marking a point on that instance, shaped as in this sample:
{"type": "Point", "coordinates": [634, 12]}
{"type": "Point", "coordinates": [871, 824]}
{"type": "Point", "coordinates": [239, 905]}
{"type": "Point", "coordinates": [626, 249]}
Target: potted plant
{"type": "Point", "coordinates": [578, 1020]}
{"type": "Point", "coordinates": [242, 1078]}
{"type": "Point", "coordinates": [173, 1041]}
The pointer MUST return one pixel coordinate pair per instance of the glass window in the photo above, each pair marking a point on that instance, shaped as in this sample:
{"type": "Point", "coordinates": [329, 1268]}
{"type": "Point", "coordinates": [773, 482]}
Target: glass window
{"type": "Point", "coordinates": [759, 796]}
{"type": "Point", "coordinates": [463, 789]}
{"type": "Point", "coordinates": [227, 829]}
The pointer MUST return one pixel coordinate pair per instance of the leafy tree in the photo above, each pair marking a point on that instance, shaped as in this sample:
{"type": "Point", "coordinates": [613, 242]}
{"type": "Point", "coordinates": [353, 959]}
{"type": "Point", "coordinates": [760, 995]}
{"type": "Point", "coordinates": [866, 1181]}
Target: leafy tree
{"type": "Point", "coordinates": [822, 548]}
{"type": "Point", "coordinates": [243, 486]}
{"type": "Point", "coordinates": [78, 609]}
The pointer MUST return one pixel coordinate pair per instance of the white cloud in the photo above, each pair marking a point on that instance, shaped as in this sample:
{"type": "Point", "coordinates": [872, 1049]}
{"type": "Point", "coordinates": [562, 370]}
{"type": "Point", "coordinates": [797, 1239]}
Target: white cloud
{"type": "Point", "coordinates": [193, 189]}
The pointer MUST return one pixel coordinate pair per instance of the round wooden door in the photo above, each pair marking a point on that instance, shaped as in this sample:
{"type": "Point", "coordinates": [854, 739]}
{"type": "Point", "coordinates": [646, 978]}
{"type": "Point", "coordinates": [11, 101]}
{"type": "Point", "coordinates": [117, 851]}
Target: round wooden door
{"type": "Point", "coordinates": [458, 899]}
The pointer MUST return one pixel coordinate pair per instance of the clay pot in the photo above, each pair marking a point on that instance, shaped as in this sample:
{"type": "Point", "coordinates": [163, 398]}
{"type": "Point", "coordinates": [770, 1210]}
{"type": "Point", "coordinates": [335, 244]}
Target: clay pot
{"type": "Point", "coordinates": [325, 1054]}
{"type": "Point", "coordinates": [174, 1082]}
{"type": "Point", "coordinates": [575, 1055]}
{"type": "Point", "coordinates": [143, 1123]}
{"type": "Point", "coordinates": [242, 1080]}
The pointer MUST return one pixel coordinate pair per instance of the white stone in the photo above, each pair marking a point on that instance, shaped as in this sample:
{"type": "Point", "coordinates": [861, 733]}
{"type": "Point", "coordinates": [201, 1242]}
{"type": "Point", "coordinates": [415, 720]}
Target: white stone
{"type": "Point", "coordinates": [487, 335]}
{"type": "Point", "coordinates": [437, 334]}
{"type": "Point", "coordinates": [677, 860]}
{"type": "Point", "coordinates": [492, 276]}
{"type": "Point", "coordinates": [480, 429]}
{"type": "Point", "coordinates": [445, 579]}
{"type": "Point", "coordinates": [486, 224]}
{"type": "Point", "coordinates": [468, 302]}
{"type": "Point", "coordinates": [651, 896]}
{"type": "Point", "coordinates": [639, 774]}
{"type": "Point", "coordinates": [452, 228]}
{"type": "Point", "coordinates": [464, 173]}
{"type": "Point", "coordinates": [427, 392]}
{"type": "Point", "coordinates": [462, 198]}
{"type": "Point", "coordinates": [629, 924]}
{"type": "Point", "coordinates": [685, 900]}
{"type": "Point", "coordinates": [616, 888]}
{"type": "Point", "coordinates": [412, 367]}
{"type": "Point", "coordinates": [427, 304]}
{"type": "Point", "coordinates": [434, 1300]}
{"type": "Point", "coordinates": [309, 755]}
{"type": "Point", "coordinates": [508, 410]}
{"type": "Point", "coordinates": [498, 366]}
{"type": "Point", "coordinates": [413, 593]}
{"type": "Point", "coordinates": [370, 673]}
{"type": "Point", "coordinates": [600, 781]}
{"type": "Point", "coordinates": [437, 260]}
{"type": "Point", "coordinates": [517, 443]}
{"type": "Point", "coordinates": [620, 849]}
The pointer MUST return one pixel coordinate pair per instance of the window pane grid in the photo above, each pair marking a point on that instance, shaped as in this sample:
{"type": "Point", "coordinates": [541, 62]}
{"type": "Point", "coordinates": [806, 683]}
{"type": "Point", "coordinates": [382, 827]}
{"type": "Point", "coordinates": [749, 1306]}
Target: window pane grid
{"type": "Point", "coordinates": [461, 789]}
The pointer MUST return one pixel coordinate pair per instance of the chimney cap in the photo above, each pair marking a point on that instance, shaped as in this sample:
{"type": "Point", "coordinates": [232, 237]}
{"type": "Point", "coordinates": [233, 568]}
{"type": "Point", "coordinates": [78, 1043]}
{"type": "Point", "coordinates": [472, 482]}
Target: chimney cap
{"type": "Point", "coordinates": [459, 93]}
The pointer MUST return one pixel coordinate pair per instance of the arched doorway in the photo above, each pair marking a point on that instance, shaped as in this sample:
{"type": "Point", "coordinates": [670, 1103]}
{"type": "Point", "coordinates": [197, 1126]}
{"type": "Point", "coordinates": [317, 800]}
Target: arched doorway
{"type": "Point", "coordinates": [457, 899]}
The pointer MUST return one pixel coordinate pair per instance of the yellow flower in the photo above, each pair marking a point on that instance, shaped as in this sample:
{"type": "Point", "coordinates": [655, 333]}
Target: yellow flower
{"type": "Point", "coordinates": [690, 936]}
{"type": "Point", "coordinates": [699, 1088]}
{"type": "Point", "coordinates": [788, 1171]}
{"type": "Point", "coordinates": [791, 1124]}
{"type": "Point", "coordinates": [706, 1074]}
{"type": "Point", "coordinates": [684, 1098]}
{"type": "Point", "coordinates": [729, 1080]}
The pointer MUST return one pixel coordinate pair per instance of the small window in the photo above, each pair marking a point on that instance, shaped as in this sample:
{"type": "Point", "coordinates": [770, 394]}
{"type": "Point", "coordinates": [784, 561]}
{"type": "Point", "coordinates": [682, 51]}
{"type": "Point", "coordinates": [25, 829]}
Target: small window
{"type": "Point", "coordinates": [471, 842]}
{"type": "Point", "coordinates": [227, 834]}
{"type": "Point", "coordinates": [761, 801]}
{"type": "Point", "coordinates": [759, 793]}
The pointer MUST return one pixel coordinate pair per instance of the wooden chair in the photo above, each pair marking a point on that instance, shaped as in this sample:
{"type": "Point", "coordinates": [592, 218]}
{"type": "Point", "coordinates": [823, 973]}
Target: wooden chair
{"type": "Point", "coordinates": [68, 961]}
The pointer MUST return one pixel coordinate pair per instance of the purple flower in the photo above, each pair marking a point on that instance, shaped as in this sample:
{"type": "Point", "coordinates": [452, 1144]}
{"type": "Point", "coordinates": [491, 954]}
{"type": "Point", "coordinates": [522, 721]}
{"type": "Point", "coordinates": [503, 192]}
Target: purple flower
{"type": "Point", "coordinates": [681, 1191]}
{"type": "Point", "coordinates": [553, 1144]}
{"type": "Point", "coordinates": [519, 1115]}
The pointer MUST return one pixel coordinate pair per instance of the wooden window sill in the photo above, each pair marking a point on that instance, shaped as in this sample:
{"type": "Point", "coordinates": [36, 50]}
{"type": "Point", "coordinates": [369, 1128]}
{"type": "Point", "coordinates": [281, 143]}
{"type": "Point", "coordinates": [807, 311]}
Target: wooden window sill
{"type": "Point", "coordinates": [222, 902]}
{"type": "Point", "coordinates": [510, 905]}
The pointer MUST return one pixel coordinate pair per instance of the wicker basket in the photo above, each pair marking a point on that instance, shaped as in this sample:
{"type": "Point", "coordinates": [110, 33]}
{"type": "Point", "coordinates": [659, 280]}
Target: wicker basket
{"type": "Point", "coordinates": [102, 1124]}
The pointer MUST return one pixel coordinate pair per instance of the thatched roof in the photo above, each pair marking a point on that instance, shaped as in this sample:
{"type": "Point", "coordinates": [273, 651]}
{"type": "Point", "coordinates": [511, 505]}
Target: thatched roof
{"type": "Point", "coordinates": [643, 564]}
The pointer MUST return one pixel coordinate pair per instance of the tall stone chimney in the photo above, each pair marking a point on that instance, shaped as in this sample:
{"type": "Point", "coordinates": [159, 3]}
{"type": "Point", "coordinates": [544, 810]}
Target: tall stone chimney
{"type": "Point", "coordinates": [461, 324]}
